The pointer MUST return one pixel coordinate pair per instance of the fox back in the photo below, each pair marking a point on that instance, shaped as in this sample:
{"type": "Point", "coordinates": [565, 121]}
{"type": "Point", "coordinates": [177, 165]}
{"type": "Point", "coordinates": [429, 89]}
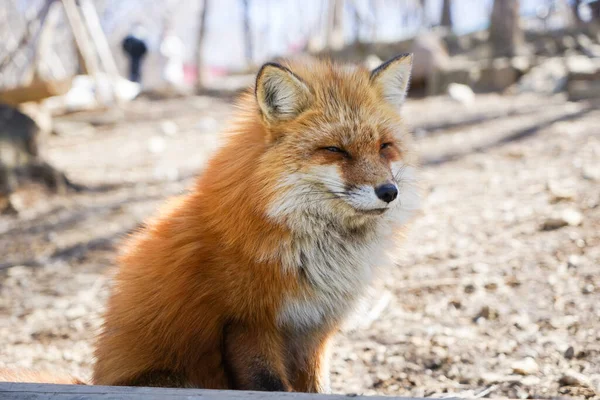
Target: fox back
{"type": "Point", "coordinates": [242, 283]}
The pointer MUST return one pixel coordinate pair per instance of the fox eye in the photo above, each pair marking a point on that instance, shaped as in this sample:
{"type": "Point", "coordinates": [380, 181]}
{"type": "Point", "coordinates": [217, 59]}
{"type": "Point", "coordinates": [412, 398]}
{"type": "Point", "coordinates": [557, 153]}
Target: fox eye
{"type": "Point", "coordinates": [385, 145]}
{"type": "Point", "coordinates": [333, 149]}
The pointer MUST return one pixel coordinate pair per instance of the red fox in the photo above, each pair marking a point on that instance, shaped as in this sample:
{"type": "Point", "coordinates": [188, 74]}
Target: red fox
{"type": "Point", "coordinates": [242, 283]}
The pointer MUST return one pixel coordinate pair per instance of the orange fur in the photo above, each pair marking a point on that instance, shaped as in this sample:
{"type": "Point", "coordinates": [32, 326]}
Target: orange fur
{"type": "Point", "coordinates": [198, 297]}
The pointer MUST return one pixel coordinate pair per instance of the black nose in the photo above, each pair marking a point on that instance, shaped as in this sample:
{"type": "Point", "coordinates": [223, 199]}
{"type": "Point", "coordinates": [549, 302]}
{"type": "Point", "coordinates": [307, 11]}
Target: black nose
{"type": "Point", "coordinates": [387, 192]}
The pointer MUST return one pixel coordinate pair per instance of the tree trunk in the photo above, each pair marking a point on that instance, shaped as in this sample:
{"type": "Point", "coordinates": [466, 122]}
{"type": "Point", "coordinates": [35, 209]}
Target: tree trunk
{"type": "Point", "coordinates": [247, 32]}
{"type": "Point", "coordinates": [575, 9]}
{"type": "Point", "coordinates": [446, 14]}
{"type": "Point", "coordinates": [424, 16]}
{"type": "Point", "coordinates": [200, 44]}
{"type": "Point", "coordinates": [357, 23]}
{"type": "Point", "coordinates": [335, 28]}
{"type": "Point", "coordinates": [506, 35]}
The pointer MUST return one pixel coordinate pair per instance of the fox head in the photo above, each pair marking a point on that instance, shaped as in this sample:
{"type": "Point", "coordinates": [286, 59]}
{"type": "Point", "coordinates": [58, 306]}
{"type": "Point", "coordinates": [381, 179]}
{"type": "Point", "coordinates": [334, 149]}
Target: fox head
{"type": "Point", "coordinates": [336, 147]}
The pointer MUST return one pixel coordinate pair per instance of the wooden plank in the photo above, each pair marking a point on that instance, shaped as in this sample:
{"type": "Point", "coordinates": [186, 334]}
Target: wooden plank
{"type": "Point", "coordinates": [35, 91]}
{"type": "Point", "coordinates": [34, 391]}
{"type": "Point", "coordinates": [84, 45]}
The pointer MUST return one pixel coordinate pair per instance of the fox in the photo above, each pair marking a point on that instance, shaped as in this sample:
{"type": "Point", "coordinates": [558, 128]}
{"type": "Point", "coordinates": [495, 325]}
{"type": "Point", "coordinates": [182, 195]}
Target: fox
{"type": "Point", "coordinates": [242, 282]}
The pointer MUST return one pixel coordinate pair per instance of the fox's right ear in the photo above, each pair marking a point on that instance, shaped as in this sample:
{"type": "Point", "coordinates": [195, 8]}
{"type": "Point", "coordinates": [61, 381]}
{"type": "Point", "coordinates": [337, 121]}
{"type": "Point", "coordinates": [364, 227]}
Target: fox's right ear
{"type": "Point", "coordinates": [281, 95]}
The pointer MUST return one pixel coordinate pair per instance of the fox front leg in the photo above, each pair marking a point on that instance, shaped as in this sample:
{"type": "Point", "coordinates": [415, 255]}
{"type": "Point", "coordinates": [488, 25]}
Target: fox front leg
{"type": "Point", "coordinates": [309, 370]}
{"type": "Point", "coordinates": [254, 359]}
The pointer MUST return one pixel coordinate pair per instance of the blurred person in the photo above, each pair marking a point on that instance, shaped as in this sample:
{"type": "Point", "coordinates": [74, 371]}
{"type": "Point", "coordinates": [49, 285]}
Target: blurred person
{"type": "Point", "coordinates": [134, 45]}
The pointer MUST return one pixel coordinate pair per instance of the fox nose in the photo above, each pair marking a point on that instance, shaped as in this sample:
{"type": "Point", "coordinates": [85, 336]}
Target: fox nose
{"type": "Point", "coordinates": [387, 192]}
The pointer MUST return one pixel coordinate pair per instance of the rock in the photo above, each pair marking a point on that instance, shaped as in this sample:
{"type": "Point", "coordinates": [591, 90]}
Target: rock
{"type": "Point", "coordinates": [553, 223]}
{"type": "Point", "coordinates": [583, 90]}
{"type": "Point", "coordinates": [569, 353]}
{"type": "Point", "coordinates": [587, 46]}
{"type": "Point", "coordinates": [461, 93]}
{"type": "Point", "coordinates": [156, 144]}
{"type": "Point", "coordinates": [573, 261]}
{"type": "Point", "coordinates": [581, 68]}
{"type": "Point", "coordinates": [588, 289]}
{"type": "Point", "coordinates": [7, 206]}
{"type": "Point", "coordinates": [548, 77]}
{"type": "Point", "coordinates": [572, 217]}
{"type": "Point", "coordinates": [568, 42]}
{"type": "Point", "coordinates": [569, 216]}
{"type": "Point", "coordinates": [591, 173]}
{"type": "Point", "coordinates": [372, 62]}
{"type": "Point", "coordinates": [470, 288]}
{"type": "Point", "coordinates": [497, 76]}
{"type": "Point", "coordinates": [527, 366]}
{"type": "Point", "coordinates": [573, 378]}
{"type": "Point", "coordinates": [429, 55]}
{"type": "Point", "coordinates": [486, 312]}
{"type": "Point", "coordinates": [169, 128]}
{"type": "Point", "coordinates": [521, 64]}
{"type": "Point", "coordinates": [459, 70]}
{"type": "Point", "coordinates": [558, 193]}
{"type": "Point", "coordinates": [530, 380]}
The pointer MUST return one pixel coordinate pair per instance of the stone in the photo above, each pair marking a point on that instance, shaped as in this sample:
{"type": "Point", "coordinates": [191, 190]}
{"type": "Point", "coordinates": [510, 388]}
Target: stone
{"type": "Point", "coordinates": [156, 144]}
{"type": "Point", "coordinates": [527, 366]}
{"type": "Point", "coordinates": [461, 93]}
{"type": "Point", "coordinates": [581, 68]}
{"type": "Point", "coordinates": [572, 217]}
{"type": "Point", "coordinates": [372, 62]}
{"type": "Point", "coordinates": [429, 54]}
{"type": "Point", "coordinates": [587, 46]}
{"type": "Point", "coordinates": [569, 353]}
{"type": "Point", "coordinates": [461, 71]}
{"type": "Point", "coordinates": [521, 64]}
{"type": "Point", "coordinates": [583, 90]}
{"type": "Point", "coordinates": [548, 77]}
{"type": "Point", "coordinates": [591, 173]}
{"type": "Point", "coordinates": [486, 312]}
{"type": "Point", "coordinates": [573, 378]}
{"type": "Point", "coordinates": [497, 76]}
{"type": "Point", "coordinates": [568, 42]}
{"type": "Point", "coordinates": [530, 380]}
{"type": "Point", "coordinates": [568, 217]}
{"type": "Point", "coordinates": [558, 193]}
{"type": "Point", "coordinates": [169, 128]}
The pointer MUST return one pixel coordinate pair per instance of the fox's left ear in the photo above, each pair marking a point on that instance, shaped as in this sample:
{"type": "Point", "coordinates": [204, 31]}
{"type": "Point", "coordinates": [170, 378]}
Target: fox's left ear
{"type": "Point", "coordinates": [392, 78]}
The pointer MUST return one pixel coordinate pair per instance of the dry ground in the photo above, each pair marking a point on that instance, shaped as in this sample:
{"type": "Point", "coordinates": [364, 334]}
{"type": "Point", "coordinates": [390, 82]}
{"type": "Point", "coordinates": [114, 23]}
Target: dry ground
{"type": "Point", "coordinates": [485, 303]}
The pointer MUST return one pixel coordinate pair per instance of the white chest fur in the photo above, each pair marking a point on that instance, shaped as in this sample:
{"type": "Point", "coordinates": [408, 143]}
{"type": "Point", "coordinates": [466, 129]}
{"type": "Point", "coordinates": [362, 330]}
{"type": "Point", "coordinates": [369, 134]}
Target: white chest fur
{"type": "Point", "coordinates": [337, 271]}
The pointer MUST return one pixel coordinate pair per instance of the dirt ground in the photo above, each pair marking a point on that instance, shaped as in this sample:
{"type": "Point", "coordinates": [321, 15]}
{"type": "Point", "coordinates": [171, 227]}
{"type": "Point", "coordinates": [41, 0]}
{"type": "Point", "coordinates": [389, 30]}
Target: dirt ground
{"type": "Point", "coordinates": [497, 293]}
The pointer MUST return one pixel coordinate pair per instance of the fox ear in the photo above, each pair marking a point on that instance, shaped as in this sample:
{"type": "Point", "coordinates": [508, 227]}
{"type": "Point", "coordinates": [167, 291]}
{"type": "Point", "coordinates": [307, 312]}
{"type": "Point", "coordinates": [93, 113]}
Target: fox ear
{"type": "Point", "coordinates": [281, 95]}
{"type": "Point", "coordinates": [391, 79]}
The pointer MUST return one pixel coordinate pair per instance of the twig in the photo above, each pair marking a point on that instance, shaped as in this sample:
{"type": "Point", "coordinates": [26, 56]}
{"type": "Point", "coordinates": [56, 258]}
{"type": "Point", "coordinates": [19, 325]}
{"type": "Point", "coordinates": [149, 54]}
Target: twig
{"type": "Point", "coordinates": [486, 391]}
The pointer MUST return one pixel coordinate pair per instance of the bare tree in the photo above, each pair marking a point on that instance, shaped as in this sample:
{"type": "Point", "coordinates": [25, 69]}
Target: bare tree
{"type": "Point", "coordinates": [357, 22]}
{"type": "Point", "coordinates": [335, 28]}
{"type": "Point", "coordinates": [506, 35]}
{"type": "Point", "coordinates": [247, 32]}
{"type": "Point", "coordinates": [424, 17]}
{"type": "Point", "coordinates": [200, 43]}
{"type": "Point", "coordinates": [446, 14]}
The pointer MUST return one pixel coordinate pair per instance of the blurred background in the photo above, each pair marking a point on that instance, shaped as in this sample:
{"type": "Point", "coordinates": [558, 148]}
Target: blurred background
{"type": "Point", "coordinates": [108, 107]}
